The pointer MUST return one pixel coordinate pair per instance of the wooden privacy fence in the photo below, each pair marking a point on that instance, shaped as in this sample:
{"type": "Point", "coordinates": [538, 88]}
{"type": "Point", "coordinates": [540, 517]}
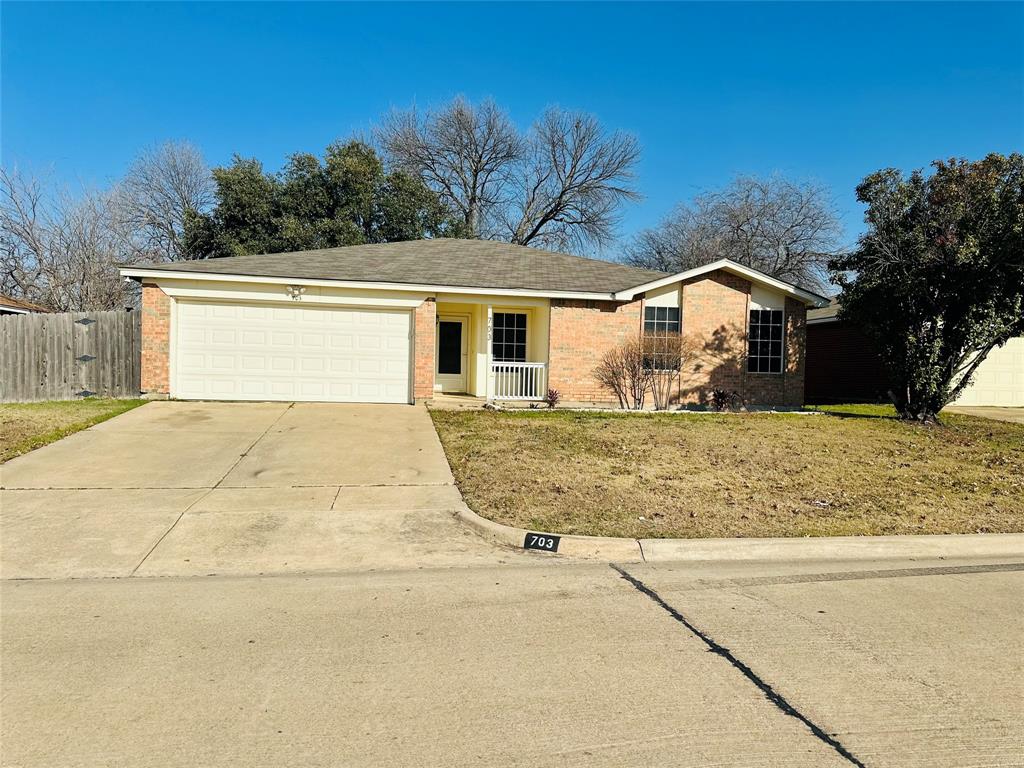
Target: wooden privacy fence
{"type": "Point", "coordinates": [69, 355]}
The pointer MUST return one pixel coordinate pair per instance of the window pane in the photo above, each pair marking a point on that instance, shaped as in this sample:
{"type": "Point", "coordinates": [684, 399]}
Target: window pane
{"type": "Point", "coordinates": [672, 314]}
{"type": "Point", "coordinates": [520, 336]}
{"type": "Point", "coordinates": [776, 350]}
{"type": "Point", "coordinates": [777, 316]}
{"type": "Point", "coordinates": [776, 331]}
{"type": "Point", "coordinates": [649, 325]}
{"type": "Point", "coordinates": [776, 365]}
{"type": "Point", "coordinates": [755, 331]}
{"type": "Point", "coordinates": [752, 365]}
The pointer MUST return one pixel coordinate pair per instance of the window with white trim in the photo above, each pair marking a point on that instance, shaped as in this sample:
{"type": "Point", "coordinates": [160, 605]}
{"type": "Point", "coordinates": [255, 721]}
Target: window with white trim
{"type": "Point", "coordinates": [661, 332]}
{"type": "Point", "coordinates": [661, 319]}
{"type": "Point", "coordinates": [764, 341]}
{"type": "Point", "coordinates": [509, 342]}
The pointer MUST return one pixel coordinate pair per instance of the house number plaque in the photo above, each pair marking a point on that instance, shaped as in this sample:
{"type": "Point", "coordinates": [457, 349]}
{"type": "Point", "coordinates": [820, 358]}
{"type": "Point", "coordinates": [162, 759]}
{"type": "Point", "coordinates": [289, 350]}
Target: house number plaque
{"type": "Point", "coordinates": [542, 541]}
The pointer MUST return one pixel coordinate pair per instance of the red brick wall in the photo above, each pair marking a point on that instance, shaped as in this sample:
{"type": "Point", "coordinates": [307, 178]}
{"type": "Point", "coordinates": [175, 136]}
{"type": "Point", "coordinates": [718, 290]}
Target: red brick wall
{"type": "Point", "coordinates": [715, 312]}
{"type": "Point", "coordinates": [716, 309]}
{"type": "Point", "coordinates": [581, 332]}
{"type": "Point", "coordinates": [156, 340]}
{"type": "Point", "coordinates": [425, 320]}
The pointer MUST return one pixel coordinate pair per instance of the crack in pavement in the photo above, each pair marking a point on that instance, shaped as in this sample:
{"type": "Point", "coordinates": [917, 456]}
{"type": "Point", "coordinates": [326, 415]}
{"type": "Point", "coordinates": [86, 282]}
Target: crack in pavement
{"type": "Point", "coordinates": [770, 693]}
{"type": "Point", "coordinates": [211, 490]}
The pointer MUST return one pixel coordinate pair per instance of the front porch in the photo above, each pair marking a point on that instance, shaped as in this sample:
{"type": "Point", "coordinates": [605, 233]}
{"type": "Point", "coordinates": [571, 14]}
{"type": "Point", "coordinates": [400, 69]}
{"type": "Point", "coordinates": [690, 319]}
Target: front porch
{"type": "Point", "coordinates": [495, 350]}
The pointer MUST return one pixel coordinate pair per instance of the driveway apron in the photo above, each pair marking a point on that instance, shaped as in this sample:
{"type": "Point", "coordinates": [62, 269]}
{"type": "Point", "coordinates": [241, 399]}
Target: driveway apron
{"type": "Point", "coordinates": [179, 488]}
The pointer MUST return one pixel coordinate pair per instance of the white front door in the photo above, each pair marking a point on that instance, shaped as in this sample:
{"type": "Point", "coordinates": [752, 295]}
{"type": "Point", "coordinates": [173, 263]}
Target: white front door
{"type": "Point", "coordinates": [451, 354]}
{"type": "Point", "coordinates": [235, 351]}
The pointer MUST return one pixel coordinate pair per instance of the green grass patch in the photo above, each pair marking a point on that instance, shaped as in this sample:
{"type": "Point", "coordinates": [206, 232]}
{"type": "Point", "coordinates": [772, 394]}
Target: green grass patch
{"type": "Point", "coordinates": [27, 426]}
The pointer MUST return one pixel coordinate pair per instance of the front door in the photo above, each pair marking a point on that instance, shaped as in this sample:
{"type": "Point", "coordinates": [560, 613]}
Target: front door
{"type": "Point", "coordinates": [451, 354]}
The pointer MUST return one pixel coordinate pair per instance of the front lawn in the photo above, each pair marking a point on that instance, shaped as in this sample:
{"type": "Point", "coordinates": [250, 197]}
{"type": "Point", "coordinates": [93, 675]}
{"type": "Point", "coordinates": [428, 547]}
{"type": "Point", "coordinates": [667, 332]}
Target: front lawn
{"type": "Point", "coordinates": [853, 471]}
{"type": "Point", "coordinates": [26, 426]}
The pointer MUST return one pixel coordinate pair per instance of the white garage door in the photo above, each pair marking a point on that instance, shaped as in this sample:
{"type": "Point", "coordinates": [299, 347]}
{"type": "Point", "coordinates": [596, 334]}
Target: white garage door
{"type": "Point", "coordinates": [999, 380]}
{"type": "Point", "coordinates": [284, 352]}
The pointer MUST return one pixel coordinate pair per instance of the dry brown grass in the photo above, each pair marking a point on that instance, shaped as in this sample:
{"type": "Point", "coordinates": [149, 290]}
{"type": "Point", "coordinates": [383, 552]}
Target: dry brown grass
{"type": "Point", "coordinates": [711, 475]}
{"type": "Point", "coordinates": [26, 426]}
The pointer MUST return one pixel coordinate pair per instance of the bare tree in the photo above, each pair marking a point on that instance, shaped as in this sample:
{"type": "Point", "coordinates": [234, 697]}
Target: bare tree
{"type": "Point", "coordinates": [560, 185]}
{"type": "Point", "coordinates": [162, 188]}
{"type": "Point", "coordinates": [573, 183]}
{"type": "Point", "coordinates": [466, 153]}
{"type": "Point", "coordinates": [61, 251]}
{"type": "Point", "coordinates": [786, 228]}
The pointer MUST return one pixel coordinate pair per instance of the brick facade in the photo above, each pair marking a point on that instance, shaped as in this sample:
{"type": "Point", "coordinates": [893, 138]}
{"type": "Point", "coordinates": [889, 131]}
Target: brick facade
{"type": "Point", "coordinates": [581, 332]}
{"type": "Point", "coordinates": [715, 312]}
{"type": "Point", "coordinates": [425, 322]}
{"type": "Point", "coordinates": [156, 340]}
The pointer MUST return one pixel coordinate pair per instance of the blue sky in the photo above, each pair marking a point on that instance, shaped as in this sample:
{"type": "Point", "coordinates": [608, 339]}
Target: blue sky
{"type": "Point", "coordinates": [823, 90]}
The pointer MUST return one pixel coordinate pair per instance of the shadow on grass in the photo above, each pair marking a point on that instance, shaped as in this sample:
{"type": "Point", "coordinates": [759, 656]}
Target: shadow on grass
{"type": "Point", "coordinates": [859, 411]}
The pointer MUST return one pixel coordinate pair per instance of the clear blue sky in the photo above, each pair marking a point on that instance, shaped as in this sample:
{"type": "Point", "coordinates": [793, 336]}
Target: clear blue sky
{"type": "Point", "coordinates": [827, 91]}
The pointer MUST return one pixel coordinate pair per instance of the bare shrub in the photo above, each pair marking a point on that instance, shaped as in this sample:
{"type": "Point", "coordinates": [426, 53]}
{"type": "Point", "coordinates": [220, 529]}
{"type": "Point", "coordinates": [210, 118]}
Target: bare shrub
{"type": "Point", "coordinates": [623, 371]}
{"type": "Point", "coordinates": [666, 355]}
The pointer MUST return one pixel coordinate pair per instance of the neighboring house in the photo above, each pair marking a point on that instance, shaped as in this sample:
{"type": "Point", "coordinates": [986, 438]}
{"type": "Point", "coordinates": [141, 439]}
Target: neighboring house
{"type": "Point", "coordinates": [399, 322]}
{"type": "Point", "coordinates": [12, 306]}
{"type": "Point", "coordinates": [842, 367]}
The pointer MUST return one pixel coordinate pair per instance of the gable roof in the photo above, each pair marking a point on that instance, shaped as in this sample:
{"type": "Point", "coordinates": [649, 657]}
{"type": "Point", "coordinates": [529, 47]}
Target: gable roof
{"type": "Point", "coordinates": [438, 262]}
{"type": "Point", "coordinates": [478, 266]}
{"type": "Point", "coordinates": [19, 306]}
{"type": "Point", "coordinates": [809, 298]}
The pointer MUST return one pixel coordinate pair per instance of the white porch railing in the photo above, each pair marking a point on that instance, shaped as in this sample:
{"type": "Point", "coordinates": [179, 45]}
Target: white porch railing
{"type": "Point", "coordinates": [519, 381]}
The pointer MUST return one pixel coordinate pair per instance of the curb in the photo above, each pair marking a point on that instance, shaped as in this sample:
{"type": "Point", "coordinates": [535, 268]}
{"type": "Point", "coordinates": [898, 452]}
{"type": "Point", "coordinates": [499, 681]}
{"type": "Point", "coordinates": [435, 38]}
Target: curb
{"type": "Point", "coordinates": [583, 547]}
{"type": "Point", "coordinates": [1008, 545]}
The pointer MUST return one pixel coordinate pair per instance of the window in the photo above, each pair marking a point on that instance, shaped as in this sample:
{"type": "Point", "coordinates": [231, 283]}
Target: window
{"type": "Point", "coordinates": [764, 350]}
{"type": "Point", "coordinates": [509, 344]}
{"type": "Point", "coordinates": [661, 342]}
{"type": "Point", "coordinates": [661, 319]}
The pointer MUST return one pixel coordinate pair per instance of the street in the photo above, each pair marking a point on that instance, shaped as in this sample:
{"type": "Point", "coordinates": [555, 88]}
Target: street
{"type": "Point", "coordinates": [542, 662]}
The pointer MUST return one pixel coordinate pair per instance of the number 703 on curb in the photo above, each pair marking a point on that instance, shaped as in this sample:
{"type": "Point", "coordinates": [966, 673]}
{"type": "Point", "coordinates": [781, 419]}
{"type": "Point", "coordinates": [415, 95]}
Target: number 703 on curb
{"type": "Point", "coordinates": [541, 541]}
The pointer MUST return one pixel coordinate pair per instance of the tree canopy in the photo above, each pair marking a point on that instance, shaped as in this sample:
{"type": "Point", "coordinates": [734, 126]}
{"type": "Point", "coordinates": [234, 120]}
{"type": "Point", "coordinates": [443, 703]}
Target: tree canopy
{"type": "Point", "coordinates": [937, 280]}
{"type": "Point", "coordinates": [561, 184]}
{"type": "Point", "coordinates": [346, 198]}
{"type": "Point", "coordinates": [786, 228]}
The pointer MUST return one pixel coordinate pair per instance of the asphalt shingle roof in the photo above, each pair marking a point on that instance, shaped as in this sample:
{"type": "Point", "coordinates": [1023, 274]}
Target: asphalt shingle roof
{"type": "Point", "coordinates": [463, 263]}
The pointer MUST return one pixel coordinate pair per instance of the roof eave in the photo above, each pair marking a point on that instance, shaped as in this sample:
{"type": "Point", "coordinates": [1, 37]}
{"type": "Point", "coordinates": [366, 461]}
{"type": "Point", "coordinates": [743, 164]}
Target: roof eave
{"type": "Point", "coordinates": [139, 274]}
{"type": "Point", "coordinates": [807, 297]}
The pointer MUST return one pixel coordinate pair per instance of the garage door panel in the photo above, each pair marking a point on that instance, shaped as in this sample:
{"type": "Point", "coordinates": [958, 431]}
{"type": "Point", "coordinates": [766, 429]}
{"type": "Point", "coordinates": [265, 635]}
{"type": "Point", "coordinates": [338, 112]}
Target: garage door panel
{"type": "Point", "coordinates": [999, 380]}
{"type": "Point", "coordinates": [236, 351]}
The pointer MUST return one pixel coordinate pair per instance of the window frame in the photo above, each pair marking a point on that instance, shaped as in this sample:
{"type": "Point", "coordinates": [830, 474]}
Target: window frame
{"type": "Point", "coordinates": [655, 327]}
{"type": "Point", "coordinates": [663, 324]}
{"type": "Point", "coordinates": [514, 329]}
{"type": "Point", "coordinates": [766, 335]}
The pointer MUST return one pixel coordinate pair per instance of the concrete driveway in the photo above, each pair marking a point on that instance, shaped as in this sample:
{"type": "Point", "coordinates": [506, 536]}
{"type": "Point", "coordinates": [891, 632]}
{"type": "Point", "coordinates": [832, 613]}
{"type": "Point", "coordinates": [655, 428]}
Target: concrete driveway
{"type": "Point", "coordinates": [1015, 415]}
{"type": "Point", "coordinates": [176, 488]}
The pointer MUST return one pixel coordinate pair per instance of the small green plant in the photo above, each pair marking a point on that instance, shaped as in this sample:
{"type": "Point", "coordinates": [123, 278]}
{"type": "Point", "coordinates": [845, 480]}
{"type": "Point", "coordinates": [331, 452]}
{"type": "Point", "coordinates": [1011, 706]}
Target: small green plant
{"type": "Point", "coordinates": [723, 399]}
{"type": "Point", "coordinates": [552, 398]}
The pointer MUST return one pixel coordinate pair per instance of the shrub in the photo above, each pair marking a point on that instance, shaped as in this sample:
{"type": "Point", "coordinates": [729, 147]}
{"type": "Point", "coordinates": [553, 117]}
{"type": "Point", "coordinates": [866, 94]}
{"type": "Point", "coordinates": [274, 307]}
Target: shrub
{"type": "Point", "coordinates": [723, 399]}
{"type": "Point", "coordinates": [665, 355]}
{"type": "Point", "coordinates": [622, 370]}
{"type": "Point", "coordinates": [552, 397]}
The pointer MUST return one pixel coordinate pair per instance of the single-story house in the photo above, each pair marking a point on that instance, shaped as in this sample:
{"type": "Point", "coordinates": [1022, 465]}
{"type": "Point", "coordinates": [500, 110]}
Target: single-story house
{"type": "Point", "coordinates": [400, 322]}
{"type": "Point", "coordinates": [842, 367]}
{"type": "Point", "coordinates": [12, 306]}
